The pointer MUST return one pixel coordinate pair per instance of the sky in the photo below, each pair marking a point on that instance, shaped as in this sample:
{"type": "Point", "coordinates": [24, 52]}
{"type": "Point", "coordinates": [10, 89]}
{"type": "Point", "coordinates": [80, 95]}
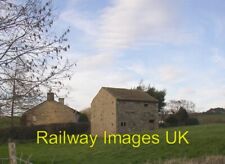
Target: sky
{"type": "Point", "coordinates": [177, 45]}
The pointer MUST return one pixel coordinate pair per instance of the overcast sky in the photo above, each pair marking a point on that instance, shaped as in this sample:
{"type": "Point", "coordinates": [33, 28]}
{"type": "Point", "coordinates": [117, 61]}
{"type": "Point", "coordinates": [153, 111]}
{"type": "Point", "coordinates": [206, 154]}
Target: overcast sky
{"type": "Point", "coordinates": [177, 45]}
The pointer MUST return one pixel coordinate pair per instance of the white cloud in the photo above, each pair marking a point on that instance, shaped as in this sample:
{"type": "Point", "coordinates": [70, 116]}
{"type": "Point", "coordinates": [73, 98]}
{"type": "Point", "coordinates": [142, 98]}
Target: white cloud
{"type": "Point", "coordinates": [169, 73]}
{"type": "Point", "coordinates": [128, 23]}
{"type": "Point", "coordinates": [205, 92]}
{"type": "Point", "coordinates": [93, 62]}
{"type": "Point", "coordinates": [91, 73]}
{"type": "Point", "coordinates": [86, 84]}
{"type": "Point", "coordinates": [209, 97]}
{"type": "Point", "coordinates": [136, 68]}
{"type": "Point", "coordinates": [79, 21]}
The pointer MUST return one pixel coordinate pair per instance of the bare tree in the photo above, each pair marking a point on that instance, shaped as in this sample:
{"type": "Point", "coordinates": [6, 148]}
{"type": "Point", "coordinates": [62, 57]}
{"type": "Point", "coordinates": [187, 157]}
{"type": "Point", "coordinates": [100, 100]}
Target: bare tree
{"type": "Point", "coordinates": [175, 105]}
{"type": "Point", "coordinates": [30, 53]}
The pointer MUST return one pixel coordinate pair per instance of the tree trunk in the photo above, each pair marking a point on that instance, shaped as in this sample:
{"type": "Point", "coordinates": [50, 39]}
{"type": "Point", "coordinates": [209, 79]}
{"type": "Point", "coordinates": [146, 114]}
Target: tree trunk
{"type": "Point", "coordinates": [13, 101]}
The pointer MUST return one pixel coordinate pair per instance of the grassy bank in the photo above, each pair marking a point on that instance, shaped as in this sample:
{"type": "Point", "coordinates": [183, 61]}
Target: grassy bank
{"type": "Point", "coordinates": [204, 140]}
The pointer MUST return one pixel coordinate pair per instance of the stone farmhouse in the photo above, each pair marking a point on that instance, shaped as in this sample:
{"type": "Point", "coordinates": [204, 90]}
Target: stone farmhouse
{"type": "Point", "coordinates": [118, 110]}
{"type": "Point", "coordinates": [50, 112]}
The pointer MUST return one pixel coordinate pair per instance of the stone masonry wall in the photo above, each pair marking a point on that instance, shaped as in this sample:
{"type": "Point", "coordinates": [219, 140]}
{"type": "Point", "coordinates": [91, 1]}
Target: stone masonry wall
{"type": "Point", "coordinates": [103, 113]}
{"type": "Point", "coordinates": [50, 112]}
{"type": "Point", "coordinates": [136, 116]}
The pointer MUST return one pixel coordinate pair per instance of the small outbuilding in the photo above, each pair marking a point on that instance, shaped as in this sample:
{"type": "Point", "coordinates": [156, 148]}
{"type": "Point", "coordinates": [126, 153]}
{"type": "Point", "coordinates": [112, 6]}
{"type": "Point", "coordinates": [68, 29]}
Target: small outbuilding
{"type": "Point", "coordinates": [118, 110]}
{"type": "Point", "coordinates": [50, 112]}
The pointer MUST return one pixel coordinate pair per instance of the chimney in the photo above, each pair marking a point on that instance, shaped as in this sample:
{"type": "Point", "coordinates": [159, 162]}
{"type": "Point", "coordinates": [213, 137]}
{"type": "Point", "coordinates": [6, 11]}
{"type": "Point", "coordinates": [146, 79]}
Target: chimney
{"type": "Point", "coordinates": [50, 96]}
{"type": "Point", "coordinates": [61, 101]}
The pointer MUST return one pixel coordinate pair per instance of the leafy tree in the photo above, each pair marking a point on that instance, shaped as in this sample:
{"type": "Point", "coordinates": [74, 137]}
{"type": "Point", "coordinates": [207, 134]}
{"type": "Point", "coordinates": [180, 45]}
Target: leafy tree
{"type": "Point", "coordinates": [159, 95]}
{"type": "Point", "coordinates": [31, 57]}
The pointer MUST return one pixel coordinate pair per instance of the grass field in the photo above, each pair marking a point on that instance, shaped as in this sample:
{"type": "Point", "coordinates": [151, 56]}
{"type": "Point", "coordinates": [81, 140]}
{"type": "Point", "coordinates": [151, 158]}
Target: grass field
{"type": "Point", "coordinates": [209, 118]}
{"type": "Point", "coordinates": [205, 140]}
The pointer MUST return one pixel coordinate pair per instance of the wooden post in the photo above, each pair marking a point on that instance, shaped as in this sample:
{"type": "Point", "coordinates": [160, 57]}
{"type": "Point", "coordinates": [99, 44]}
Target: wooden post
{"type": "Point", "coordinates": [12, 153]}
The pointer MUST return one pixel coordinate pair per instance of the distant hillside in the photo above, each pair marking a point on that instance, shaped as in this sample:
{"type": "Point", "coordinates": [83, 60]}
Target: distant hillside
{"type": "Point", "coordinates": [216, 111]}
{"type": "Point", "coordinates": [209, 118]}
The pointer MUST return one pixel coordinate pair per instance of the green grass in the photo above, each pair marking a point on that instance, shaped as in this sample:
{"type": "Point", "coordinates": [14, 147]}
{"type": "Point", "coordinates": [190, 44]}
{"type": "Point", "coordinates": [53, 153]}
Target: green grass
{"type": "Point", "coordinates": [5, 122]}
{"type": "Point", "coordinates": [204, 140]}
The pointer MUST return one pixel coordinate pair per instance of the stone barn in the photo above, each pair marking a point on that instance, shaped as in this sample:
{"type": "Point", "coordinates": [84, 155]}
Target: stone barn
{"type": "Point", "coordinates": [50, 112]}
{"type": "Point", "coordinates": [118, 110]}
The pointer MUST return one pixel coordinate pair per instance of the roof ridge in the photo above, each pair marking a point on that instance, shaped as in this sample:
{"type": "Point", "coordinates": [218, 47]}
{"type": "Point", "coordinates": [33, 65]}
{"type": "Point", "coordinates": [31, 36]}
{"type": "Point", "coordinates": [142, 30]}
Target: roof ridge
{"type": "Point", "coordinates": [130, 94]}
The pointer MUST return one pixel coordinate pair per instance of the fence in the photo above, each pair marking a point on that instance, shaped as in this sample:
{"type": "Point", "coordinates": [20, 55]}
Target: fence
{"type": "Point", "coordinates": [13, 159]}
{"type": "Point", "coordinates": [18, 161]}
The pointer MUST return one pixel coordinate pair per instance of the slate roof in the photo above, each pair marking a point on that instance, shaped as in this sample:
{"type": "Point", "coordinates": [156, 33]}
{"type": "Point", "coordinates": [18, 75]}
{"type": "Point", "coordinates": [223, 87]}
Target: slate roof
{"type": "Point", "coordinates": [130, 94]}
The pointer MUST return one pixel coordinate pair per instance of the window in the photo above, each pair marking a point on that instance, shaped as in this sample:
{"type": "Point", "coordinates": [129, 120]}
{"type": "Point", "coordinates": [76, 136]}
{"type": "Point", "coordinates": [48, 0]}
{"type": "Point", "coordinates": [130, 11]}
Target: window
{"type": "Point", "coordinates": [146, 105]}
{"type": "Point", "coordinates": [151, 121]}
{"type": "Point", "coordinates": [123, 123]}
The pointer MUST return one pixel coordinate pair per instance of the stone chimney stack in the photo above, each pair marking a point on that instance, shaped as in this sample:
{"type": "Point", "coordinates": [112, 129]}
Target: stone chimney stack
{"type": "Point", "coordinates": [50, 96]}
{"type": "Point", "coordinates": [61, 101]}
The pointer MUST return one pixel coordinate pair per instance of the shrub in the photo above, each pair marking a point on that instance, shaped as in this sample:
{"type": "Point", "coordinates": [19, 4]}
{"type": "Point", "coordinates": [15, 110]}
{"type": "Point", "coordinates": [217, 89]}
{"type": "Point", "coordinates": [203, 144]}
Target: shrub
{"type": "Point", "coordinates": [25, 133]}
{"type": "Point", "coordinates": [83, 118]}
{"type": "Point", "coordinates": [162, 125]}
{"type": "Point", "coordinates": [181, 115]}
{"type": "Point", "coordinates": [192, 121]}
{"type": "Point", "coordinates": [181, 118]}
{"type": "Point", "coordinates": [171, 121]}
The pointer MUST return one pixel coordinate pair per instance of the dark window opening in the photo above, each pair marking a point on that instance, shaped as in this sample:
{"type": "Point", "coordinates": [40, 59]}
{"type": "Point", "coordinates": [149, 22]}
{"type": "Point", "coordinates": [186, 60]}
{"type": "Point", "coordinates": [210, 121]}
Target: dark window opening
{"type": "Point", "coordinates": [151, 121]}
{"type": "Point", "coordinates": [145, 105]}
{"type": "Point", "coordinates": [123, 123]}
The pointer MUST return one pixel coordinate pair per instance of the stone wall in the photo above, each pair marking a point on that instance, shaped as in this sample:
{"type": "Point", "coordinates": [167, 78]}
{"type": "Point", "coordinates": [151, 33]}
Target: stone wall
{"type": "Point", "coordinates": [50, 112]}
{"type": "Point", "coordinates": [103, 113]}
{"type": "Point", "coordinates": [136, 116]}
{"type": "Point", "coordinates": [121, 116]}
